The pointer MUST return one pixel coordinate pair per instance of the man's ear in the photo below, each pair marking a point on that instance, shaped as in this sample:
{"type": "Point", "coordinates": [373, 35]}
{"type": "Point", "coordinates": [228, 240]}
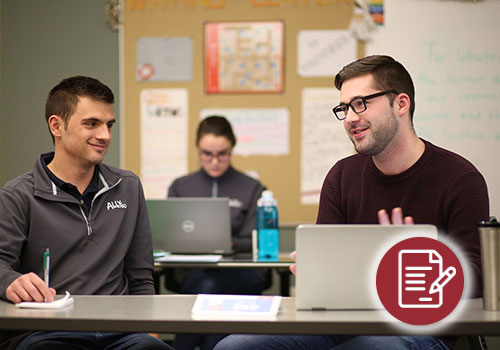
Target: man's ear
{"type": "Point", "coordinates": [402, 104]}
{"type": "Point", "coordinates": [56, 124]}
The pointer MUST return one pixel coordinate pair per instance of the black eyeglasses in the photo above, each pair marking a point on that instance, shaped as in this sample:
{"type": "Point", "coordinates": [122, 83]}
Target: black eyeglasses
{"type": "Point", "coordinates": [207, 156]}
{"type": "Point", "coordinates": [357, 104]}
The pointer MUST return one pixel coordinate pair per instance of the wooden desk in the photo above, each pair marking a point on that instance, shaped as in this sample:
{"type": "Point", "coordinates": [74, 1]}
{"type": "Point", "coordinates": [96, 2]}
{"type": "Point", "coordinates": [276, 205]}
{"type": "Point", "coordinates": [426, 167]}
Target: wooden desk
{"type": "Point", "coordinates": [238, 261]}
{"type": "Point", "coordinates": [172, 314]}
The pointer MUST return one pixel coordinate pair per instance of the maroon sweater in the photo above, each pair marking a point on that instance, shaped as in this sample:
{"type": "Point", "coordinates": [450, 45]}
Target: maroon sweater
{"type": "Point", "coordinates": [441, 188]}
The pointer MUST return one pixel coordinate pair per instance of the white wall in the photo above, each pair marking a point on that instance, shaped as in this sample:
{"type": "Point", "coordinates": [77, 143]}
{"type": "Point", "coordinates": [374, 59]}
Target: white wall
{"type": "Point", "coordinates": [452, 51]}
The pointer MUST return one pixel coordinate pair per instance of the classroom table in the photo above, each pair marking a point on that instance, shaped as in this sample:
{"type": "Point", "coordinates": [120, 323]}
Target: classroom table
{"type": "Point", "coordinates": [245, 260]}
{"type": "Point", "coordinates": [172, 314]}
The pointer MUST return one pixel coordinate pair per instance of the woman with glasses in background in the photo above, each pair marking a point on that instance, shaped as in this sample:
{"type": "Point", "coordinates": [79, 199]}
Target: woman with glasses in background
{"type": "Point", "coordinates": [215, 141]}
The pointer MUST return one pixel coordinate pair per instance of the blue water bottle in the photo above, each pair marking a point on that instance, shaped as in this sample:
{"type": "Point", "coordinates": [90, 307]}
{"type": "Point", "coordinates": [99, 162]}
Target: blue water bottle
{"type": "Point", "coordinates": [268, 234]}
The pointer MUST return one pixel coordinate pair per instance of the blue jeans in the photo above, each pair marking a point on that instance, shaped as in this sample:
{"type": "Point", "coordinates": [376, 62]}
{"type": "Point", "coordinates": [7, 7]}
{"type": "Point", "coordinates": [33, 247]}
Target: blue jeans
{"type": "Point", "coordinates": [216, 281]}
{"type": "Point", "coordinates": [44, 340]}
{"type": "Point", "coordinates": [314, 342]}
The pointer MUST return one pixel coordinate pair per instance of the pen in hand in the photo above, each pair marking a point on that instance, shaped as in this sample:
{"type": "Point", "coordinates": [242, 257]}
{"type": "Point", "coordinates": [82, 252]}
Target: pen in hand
{"type": "Point", "coordinates": [46, 267]}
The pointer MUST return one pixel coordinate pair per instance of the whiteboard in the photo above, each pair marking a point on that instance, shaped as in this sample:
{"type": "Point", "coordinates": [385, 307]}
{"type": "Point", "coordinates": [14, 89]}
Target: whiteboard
{"type": "Point", "coordinates": [452, 51]}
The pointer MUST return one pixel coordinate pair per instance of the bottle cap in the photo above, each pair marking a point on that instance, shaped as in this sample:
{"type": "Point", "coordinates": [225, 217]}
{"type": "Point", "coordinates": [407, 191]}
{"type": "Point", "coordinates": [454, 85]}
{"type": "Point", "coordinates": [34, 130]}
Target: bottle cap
{"type": "Point", "coordinates": [267, 199]}
{"type": "Point", "coordinates": [267, 194]}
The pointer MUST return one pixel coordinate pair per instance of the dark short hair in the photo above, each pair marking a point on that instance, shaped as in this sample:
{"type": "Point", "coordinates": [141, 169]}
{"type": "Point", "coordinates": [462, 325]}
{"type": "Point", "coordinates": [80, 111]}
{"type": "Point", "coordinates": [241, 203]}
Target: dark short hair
{"type": "Point", "coordinates": [388, 74]}
{"type": "Point", "coordinates": [216, 125]}
{"type": "Point", "coordinates": [63, 98]}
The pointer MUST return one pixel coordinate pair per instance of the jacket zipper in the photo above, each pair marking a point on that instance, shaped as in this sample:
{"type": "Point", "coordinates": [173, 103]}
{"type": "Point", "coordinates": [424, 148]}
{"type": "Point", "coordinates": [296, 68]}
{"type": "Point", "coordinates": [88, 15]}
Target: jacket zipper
{"type": "Point", "coordinates": [103, 190]}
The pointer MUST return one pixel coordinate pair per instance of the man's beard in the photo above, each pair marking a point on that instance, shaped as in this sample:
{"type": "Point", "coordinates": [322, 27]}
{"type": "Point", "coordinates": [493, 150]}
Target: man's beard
{"type": "Point", "coordinates": [380, 138]}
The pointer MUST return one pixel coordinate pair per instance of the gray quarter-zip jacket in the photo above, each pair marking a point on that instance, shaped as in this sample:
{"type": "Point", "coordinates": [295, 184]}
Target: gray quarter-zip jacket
{"type": "Point", "coordinates": [106, 252]}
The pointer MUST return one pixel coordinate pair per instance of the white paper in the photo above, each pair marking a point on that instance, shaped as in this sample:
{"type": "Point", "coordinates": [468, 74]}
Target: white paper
{"type": "Point", "coordinates": [209, 258]}
{"type": "Point", "coordinates": [322, 53]}
{"type": "Point", "coordinates": [56, 304]}
{"type": "Point", "coordinates": [164, 59]}
{"type": "Point", "coordinates": [164, 139]}
{"type": "Point", "coordinates": [259, 131]}
{"type": "Point", "coordinates": [324, 140]}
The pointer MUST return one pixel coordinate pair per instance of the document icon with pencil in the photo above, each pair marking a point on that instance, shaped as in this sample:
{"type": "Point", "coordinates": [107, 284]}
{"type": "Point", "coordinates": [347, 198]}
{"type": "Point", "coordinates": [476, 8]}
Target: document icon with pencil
{"type": "Point", "coordinates": [421, 278]}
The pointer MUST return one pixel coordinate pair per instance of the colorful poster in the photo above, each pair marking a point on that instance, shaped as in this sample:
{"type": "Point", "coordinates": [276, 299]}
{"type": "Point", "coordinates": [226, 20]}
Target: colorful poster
{"type": "Point", "coordinates": [377, 11]}
{"type": "Point", "coordinates": [244, 57]}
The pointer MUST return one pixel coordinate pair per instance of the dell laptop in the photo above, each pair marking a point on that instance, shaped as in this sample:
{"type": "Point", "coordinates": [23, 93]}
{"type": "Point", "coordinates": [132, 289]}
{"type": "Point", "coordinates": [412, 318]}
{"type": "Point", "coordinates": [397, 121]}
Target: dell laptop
{"type": "Point", "coordinates": [191, 225]}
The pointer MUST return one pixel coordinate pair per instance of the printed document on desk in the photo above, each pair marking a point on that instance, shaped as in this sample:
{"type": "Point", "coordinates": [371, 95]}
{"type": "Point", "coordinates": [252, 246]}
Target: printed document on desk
{"type": "Point", "coordinates": [208, 258]}
{"type": "Point", "coordinates": [219, 306]}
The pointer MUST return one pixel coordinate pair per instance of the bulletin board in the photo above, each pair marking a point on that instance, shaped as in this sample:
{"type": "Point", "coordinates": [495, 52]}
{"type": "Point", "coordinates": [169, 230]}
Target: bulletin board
{"type": "Point", "coordinates": [183, 23]}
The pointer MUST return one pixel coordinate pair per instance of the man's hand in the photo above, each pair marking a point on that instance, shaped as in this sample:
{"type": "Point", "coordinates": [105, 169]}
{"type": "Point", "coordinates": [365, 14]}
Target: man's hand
{"type": "Point", "coordinates": [293, 268]}
{"type": "Point", "coordinates": [29, 287]}
{"type": "Point", "coordinates": [397, 217]}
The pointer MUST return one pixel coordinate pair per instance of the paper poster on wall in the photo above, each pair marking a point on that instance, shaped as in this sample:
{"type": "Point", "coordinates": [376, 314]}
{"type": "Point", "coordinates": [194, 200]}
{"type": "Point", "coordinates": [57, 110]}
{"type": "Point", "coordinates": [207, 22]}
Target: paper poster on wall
{"type": "Point", "coordinates": [324, 140]}
{"type": "Point", "coordinates": [259, 131]}
{"type": "Point", "coordinates": [244, 57]}
{"type": "Point", "coordinates": [322, 53]}
{"type": "Point", "coordinates": [164, 139]}
{"type": "Point", "coordinates": [164, 59]}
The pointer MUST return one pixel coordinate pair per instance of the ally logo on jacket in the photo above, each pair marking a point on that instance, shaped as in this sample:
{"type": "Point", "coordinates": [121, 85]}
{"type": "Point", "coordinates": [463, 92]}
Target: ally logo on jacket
{"type": "Point", "coordinates": [116, 205]}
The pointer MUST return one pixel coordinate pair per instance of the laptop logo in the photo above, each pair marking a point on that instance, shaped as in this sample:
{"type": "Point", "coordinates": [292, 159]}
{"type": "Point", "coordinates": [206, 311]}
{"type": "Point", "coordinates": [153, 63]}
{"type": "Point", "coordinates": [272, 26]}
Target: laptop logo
{"type": "Point", "coordinates": [235, 203]}
{"type": "Point", "coordinates": [188, 226]}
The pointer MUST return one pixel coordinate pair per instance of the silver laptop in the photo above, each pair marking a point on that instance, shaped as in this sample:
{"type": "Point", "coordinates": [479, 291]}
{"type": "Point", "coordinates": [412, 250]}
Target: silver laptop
{"type": "Point", "coordinates": [190, 225]}
{"type": "Point", "coordinates": [337, 264]}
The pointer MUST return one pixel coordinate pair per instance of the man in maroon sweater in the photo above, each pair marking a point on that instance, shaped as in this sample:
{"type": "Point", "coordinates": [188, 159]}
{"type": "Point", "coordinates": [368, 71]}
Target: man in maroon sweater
{"type": "Point", "coordinates": [394, 171]}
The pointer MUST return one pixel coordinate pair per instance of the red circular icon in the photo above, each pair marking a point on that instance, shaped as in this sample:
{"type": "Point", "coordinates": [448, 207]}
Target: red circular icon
{"type": "Point", "coordinates": [145, 71]}
{"type": "Point", "coordinates": [420, 281]}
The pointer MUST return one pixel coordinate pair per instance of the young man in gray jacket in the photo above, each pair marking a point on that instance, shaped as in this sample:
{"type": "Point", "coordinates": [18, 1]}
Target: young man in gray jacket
{"type": "Point", "coordinates": [91, 217]}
